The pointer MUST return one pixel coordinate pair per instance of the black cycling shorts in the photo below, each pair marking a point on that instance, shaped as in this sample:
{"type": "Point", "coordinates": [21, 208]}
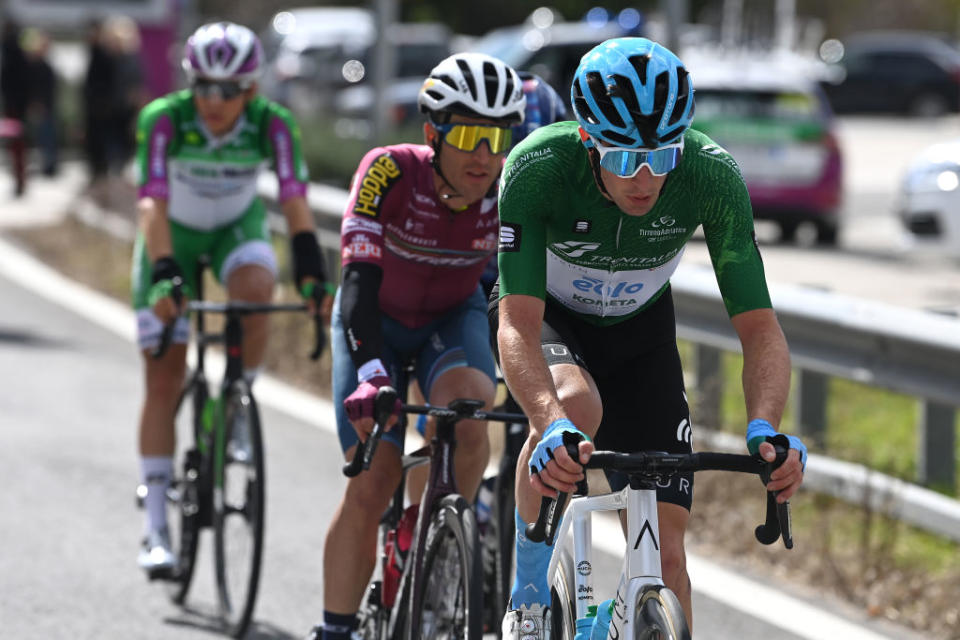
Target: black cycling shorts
{"type": "Point", "coordinates": [636, 366]}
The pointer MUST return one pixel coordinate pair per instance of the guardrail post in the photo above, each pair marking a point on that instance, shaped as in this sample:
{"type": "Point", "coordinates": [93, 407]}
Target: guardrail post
{"type": "Point", "coordinates": [936, 458]}
{"type": "Point", "coordinates": [709, 386]}
{"type": "Point", "coordinates": [811, 402]}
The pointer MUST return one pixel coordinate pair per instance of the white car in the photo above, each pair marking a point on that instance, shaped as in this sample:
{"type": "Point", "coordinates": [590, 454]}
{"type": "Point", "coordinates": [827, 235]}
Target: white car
{"type": "Point", "coordinates": [929, 199]}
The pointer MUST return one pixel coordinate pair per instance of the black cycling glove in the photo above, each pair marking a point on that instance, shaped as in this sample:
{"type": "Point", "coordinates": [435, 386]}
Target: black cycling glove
{"type": "Point", "coordinates": [307, 262]}
{"type": "Point", "coordinates": [166, 276]}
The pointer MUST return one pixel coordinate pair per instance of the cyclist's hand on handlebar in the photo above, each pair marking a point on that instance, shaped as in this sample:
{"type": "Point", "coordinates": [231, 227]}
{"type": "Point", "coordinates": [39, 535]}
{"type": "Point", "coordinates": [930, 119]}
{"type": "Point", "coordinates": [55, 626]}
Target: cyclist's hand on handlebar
{"type": "Point", "coordinates": [786, 478]}
{"type": "Point", "coordinates": [360, 406]}
{"type": "Point", "coordinates": [165, 294]}
{"type": "Point", "coordinates": [552, 468]}
{"type": "Point", "coordinates": [319, 297]}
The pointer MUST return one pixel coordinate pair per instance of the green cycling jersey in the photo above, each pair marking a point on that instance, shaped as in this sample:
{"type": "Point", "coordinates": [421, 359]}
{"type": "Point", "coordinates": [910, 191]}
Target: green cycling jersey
{"type": "Point", "coordinates": [561, 237]}
{"type": "Point", "coordinates": [210, 181]}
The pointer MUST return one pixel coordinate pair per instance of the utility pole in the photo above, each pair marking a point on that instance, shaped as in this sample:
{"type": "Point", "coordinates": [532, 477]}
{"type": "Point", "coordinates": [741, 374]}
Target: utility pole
{"type": "Point", "coordinates": [384, 68]}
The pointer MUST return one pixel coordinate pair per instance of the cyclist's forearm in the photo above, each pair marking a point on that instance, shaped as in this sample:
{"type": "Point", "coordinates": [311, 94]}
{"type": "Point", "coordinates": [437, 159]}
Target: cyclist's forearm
{"type": "Point", "coordinates": [297, 213]}
{"type": "Point", "coordinates": [156, 227]}
{"type": "Point", "coordinates": [525, 371]}
{"type": "Point", "coordinates": [766, 364]}
{"type": "Point", "coordinates": [360, 311]}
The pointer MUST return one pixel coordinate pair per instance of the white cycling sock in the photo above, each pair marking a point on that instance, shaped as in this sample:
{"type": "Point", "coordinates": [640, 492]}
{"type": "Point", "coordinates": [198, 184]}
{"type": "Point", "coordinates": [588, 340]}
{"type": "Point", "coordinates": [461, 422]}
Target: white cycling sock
{"type": "Point", "coordinates": [156, 473]}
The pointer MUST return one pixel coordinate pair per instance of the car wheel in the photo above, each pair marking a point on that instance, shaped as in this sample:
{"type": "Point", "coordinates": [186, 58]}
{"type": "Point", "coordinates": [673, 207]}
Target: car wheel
{"type": "Point", "coordinates": [827, 234]}
{"type": "Point", "coordinates": [928, 105]}
{"type": "Point", "coordinates": [788, 232]}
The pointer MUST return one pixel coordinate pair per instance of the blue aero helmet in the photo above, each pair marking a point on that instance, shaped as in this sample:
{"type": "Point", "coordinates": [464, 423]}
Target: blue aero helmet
{"type": "Point", "coordinates": [632, 93]}
{"type": "Point", "coordinates": [544, 105]}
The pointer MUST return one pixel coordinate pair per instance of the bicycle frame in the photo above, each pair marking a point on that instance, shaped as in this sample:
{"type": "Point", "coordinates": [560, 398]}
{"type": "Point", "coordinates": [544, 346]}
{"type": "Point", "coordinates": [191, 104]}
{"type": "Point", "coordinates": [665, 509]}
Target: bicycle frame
{"type": "Point", "coordinates": [641, 562]}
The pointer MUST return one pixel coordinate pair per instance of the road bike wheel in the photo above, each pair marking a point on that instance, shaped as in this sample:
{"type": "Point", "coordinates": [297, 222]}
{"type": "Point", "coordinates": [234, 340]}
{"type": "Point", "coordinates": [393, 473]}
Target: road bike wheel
{"type": "Point", "coordinates": [563, 597]}
{"type": "Point", "coordinates": [449, 596]}
{"type": "Point", "coordinates": [659, 616]}
{"type": "Point", "coordinates": [238, 507]}
{"type": "Point", "coordinates": [186, 499]}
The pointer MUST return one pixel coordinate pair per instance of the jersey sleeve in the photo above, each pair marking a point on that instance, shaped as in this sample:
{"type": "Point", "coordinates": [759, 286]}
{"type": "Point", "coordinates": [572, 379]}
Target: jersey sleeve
{"type": "Point", "coordinates": [361, 232]}
{"type": "Point", "coordinates": [531, 178]}
{"type": "Point", "coordinates": [285, 145]}
{"type": "Point", "coordinates": [730, 237]}
{"type": "Point", "coordinates": [155, 137]}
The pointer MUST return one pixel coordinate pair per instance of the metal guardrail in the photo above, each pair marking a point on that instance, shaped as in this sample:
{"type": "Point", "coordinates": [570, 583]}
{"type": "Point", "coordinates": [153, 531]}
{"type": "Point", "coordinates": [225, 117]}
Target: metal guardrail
{"type": "Point", "coordinates": [902, 350]}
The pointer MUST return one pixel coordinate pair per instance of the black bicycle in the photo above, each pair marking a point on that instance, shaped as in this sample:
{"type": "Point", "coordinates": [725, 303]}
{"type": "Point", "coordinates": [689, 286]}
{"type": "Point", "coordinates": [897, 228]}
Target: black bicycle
{"type": "Point", "coordinates": [497, 539]}
{"type": "Point", "coordinates": [219, 473]}
{"type": "Point", "coordinates": [439, 591]}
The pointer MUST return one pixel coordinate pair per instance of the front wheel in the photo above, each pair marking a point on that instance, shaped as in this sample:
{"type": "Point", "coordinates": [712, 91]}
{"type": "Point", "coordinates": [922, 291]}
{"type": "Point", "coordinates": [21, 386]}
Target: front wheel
{"type": "Point", "coordinates": [659, 616]}
{"type": "Point", "coordinates": [563, 603]}
{"type": "Point", "coordinates": [238, 508]}
{"type": "Point", "coordinates": [449, 596]}
{"type": "Point", "coordinates": [188, 496]}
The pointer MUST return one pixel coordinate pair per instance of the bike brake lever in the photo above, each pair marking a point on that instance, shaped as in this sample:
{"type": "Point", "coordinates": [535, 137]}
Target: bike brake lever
{"type": "Point", "coordinates": [383, 405]}
{"type": "Point", "coordinates": [320, 335]}
{"type": "Point", "coordinates": [778, 521]}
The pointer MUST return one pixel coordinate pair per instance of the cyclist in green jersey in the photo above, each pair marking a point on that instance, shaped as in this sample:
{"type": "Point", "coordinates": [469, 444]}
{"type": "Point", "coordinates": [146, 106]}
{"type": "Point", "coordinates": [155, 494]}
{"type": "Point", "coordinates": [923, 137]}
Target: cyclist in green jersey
{"type": "Point", "coordinates": [594, 216]}
{"type": "Point", "coordinates": [199, 153]}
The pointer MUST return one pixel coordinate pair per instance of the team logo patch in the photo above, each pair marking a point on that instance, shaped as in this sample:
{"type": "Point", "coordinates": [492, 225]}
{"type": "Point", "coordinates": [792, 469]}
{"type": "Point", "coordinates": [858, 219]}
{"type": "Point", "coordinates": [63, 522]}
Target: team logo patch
{"type": "Point", "coordinates": [509, 237]}
{"type": "Point", "coordinates": [374, 185]}
{"type": "Point", "coordinates": [581, 226]}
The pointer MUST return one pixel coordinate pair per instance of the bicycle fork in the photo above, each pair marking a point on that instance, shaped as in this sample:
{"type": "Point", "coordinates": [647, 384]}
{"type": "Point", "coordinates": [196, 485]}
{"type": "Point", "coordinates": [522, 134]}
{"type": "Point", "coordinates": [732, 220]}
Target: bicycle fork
{"type": "Point", "coordinates": [641, 562]}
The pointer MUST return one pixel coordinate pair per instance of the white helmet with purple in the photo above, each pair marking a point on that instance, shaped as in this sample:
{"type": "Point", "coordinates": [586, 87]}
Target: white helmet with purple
{"type": "Point", "coordinates": [223, 51]}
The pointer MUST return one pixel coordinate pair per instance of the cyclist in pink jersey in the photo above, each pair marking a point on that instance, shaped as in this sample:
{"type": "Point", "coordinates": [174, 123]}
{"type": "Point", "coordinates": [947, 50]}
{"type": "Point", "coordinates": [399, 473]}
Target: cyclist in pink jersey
{"type": "Point", "coordinates": [419, 228]}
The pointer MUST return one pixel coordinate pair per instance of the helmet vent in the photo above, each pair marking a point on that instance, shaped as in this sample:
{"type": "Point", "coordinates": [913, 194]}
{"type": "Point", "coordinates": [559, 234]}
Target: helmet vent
{"type": "Point", "coordinates": [490, 82]}
{"type": "Point", "coordinates": [580, 104]}
{"type": "Point", "coordinates": [600, 94]}
{"type": "Point", "coordinates": [468, 77]}
{"type": "Point", "coordinates": [683, 96]}
{"type": "Point", "coordinates": [616, 138]}
{"type": "Point", "coordinates": [507, 90]}
{"type": "Point", "coordinates": [639, 64]}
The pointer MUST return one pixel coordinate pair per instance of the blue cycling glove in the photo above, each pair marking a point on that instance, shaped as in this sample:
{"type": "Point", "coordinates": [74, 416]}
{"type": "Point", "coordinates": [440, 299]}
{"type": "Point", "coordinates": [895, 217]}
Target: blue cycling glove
{"type": "Point", "coordinates": [553, 438]}
{"type": "Point", "coordinates": [757, 432]}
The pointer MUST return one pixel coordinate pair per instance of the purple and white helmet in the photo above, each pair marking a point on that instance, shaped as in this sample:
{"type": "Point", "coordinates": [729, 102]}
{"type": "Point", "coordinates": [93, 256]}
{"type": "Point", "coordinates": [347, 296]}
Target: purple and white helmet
{"type": "Point", "coordinates": [223, 51]}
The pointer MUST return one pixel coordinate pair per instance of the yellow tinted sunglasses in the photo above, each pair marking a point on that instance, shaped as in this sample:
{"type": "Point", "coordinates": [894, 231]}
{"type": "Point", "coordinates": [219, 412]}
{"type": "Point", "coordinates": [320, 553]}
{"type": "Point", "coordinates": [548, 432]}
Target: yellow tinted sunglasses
{"type": "Point", "coordinates": [467, 137]}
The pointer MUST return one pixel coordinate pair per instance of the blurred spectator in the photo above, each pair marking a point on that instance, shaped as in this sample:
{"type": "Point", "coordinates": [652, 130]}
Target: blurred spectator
{"type": "Point", "coordinates": [14, 83]}
{"type": "Point", "coordinates": [98, 96]}
{"type": "Point", "coordinates": [122, 38]}
{"type": "Point", "coordinates": [113, 94]}
{"type": "Point", "coordinates": [42, 105]}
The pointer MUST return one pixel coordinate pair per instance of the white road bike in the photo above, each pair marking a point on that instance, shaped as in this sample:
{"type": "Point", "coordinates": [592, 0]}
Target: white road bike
{"type": "Point", "coordinates": [644, 608]}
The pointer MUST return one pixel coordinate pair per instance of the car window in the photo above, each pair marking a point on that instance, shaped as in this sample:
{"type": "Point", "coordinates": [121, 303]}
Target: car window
{"type": "Point", "coordinates": [748, 105]}
{"type": "Point", "coordinates": [907, 63]}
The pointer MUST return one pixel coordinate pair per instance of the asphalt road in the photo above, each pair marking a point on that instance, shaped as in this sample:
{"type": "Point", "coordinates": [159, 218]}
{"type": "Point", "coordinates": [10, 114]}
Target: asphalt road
{"type": "Point", "coordinates": [71, 391]}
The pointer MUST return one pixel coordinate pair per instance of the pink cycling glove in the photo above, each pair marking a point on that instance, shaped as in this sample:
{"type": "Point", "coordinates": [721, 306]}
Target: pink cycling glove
{"type": "Point", "coordinates": [359, 404]}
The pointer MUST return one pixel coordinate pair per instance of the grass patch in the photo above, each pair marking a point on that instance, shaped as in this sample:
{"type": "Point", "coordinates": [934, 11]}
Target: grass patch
{"type": "Point", "coordinates": [866, 425]}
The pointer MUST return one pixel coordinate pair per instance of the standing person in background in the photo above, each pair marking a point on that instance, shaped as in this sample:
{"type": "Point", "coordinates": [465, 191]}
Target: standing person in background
{"type": "Point", "coordinates": [98, 99]}
{"type": "Point", "coordinates": [15, 86]}
{"type": "Point", "coordinates": [42, 109]}
{"type": "Point", "coordinates": [123, 44]}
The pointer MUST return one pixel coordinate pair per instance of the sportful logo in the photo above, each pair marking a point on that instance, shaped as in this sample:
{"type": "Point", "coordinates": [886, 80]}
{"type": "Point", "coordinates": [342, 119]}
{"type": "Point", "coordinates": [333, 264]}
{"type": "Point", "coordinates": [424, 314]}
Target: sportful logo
{"type": "Point", "coordinates": [575, 248]}
{"type": "Point", "coordinates": [713, 149]}
{"type": "Point", "coordinates": [509, 237]}
{"type": "Point", "coordinates": [684, 431]}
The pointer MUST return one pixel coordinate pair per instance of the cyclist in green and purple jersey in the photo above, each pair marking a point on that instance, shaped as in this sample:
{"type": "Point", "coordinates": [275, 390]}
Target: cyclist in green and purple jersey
{"type": "Point", "coordinates": [199, 153]}
{"type": "Point", "coordinates": [594, 216]}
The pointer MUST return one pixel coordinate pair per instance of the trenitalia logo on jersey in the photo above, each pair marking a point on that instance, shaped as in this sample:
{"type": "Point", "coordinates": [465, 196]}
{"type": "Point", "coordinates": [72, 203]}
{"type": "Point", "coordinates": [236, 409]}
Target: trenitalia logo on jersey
{"type": "Point", "coordinates": [509, 237]}
{"type": "Point", "coordinates": [574, 248]}
{"type": "Point", "coordinates": [376, 182]}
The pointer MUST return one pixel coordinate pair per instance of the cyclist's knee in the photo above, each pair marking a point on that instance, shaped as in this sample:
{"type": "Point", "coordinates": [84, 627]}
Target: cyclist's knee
{"type": "Point", "coordinates": [368, 494]}
{"type": "Point", "coordinates": [252, 283]}
{"type": "Point", "coordinates": [472, 436]}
